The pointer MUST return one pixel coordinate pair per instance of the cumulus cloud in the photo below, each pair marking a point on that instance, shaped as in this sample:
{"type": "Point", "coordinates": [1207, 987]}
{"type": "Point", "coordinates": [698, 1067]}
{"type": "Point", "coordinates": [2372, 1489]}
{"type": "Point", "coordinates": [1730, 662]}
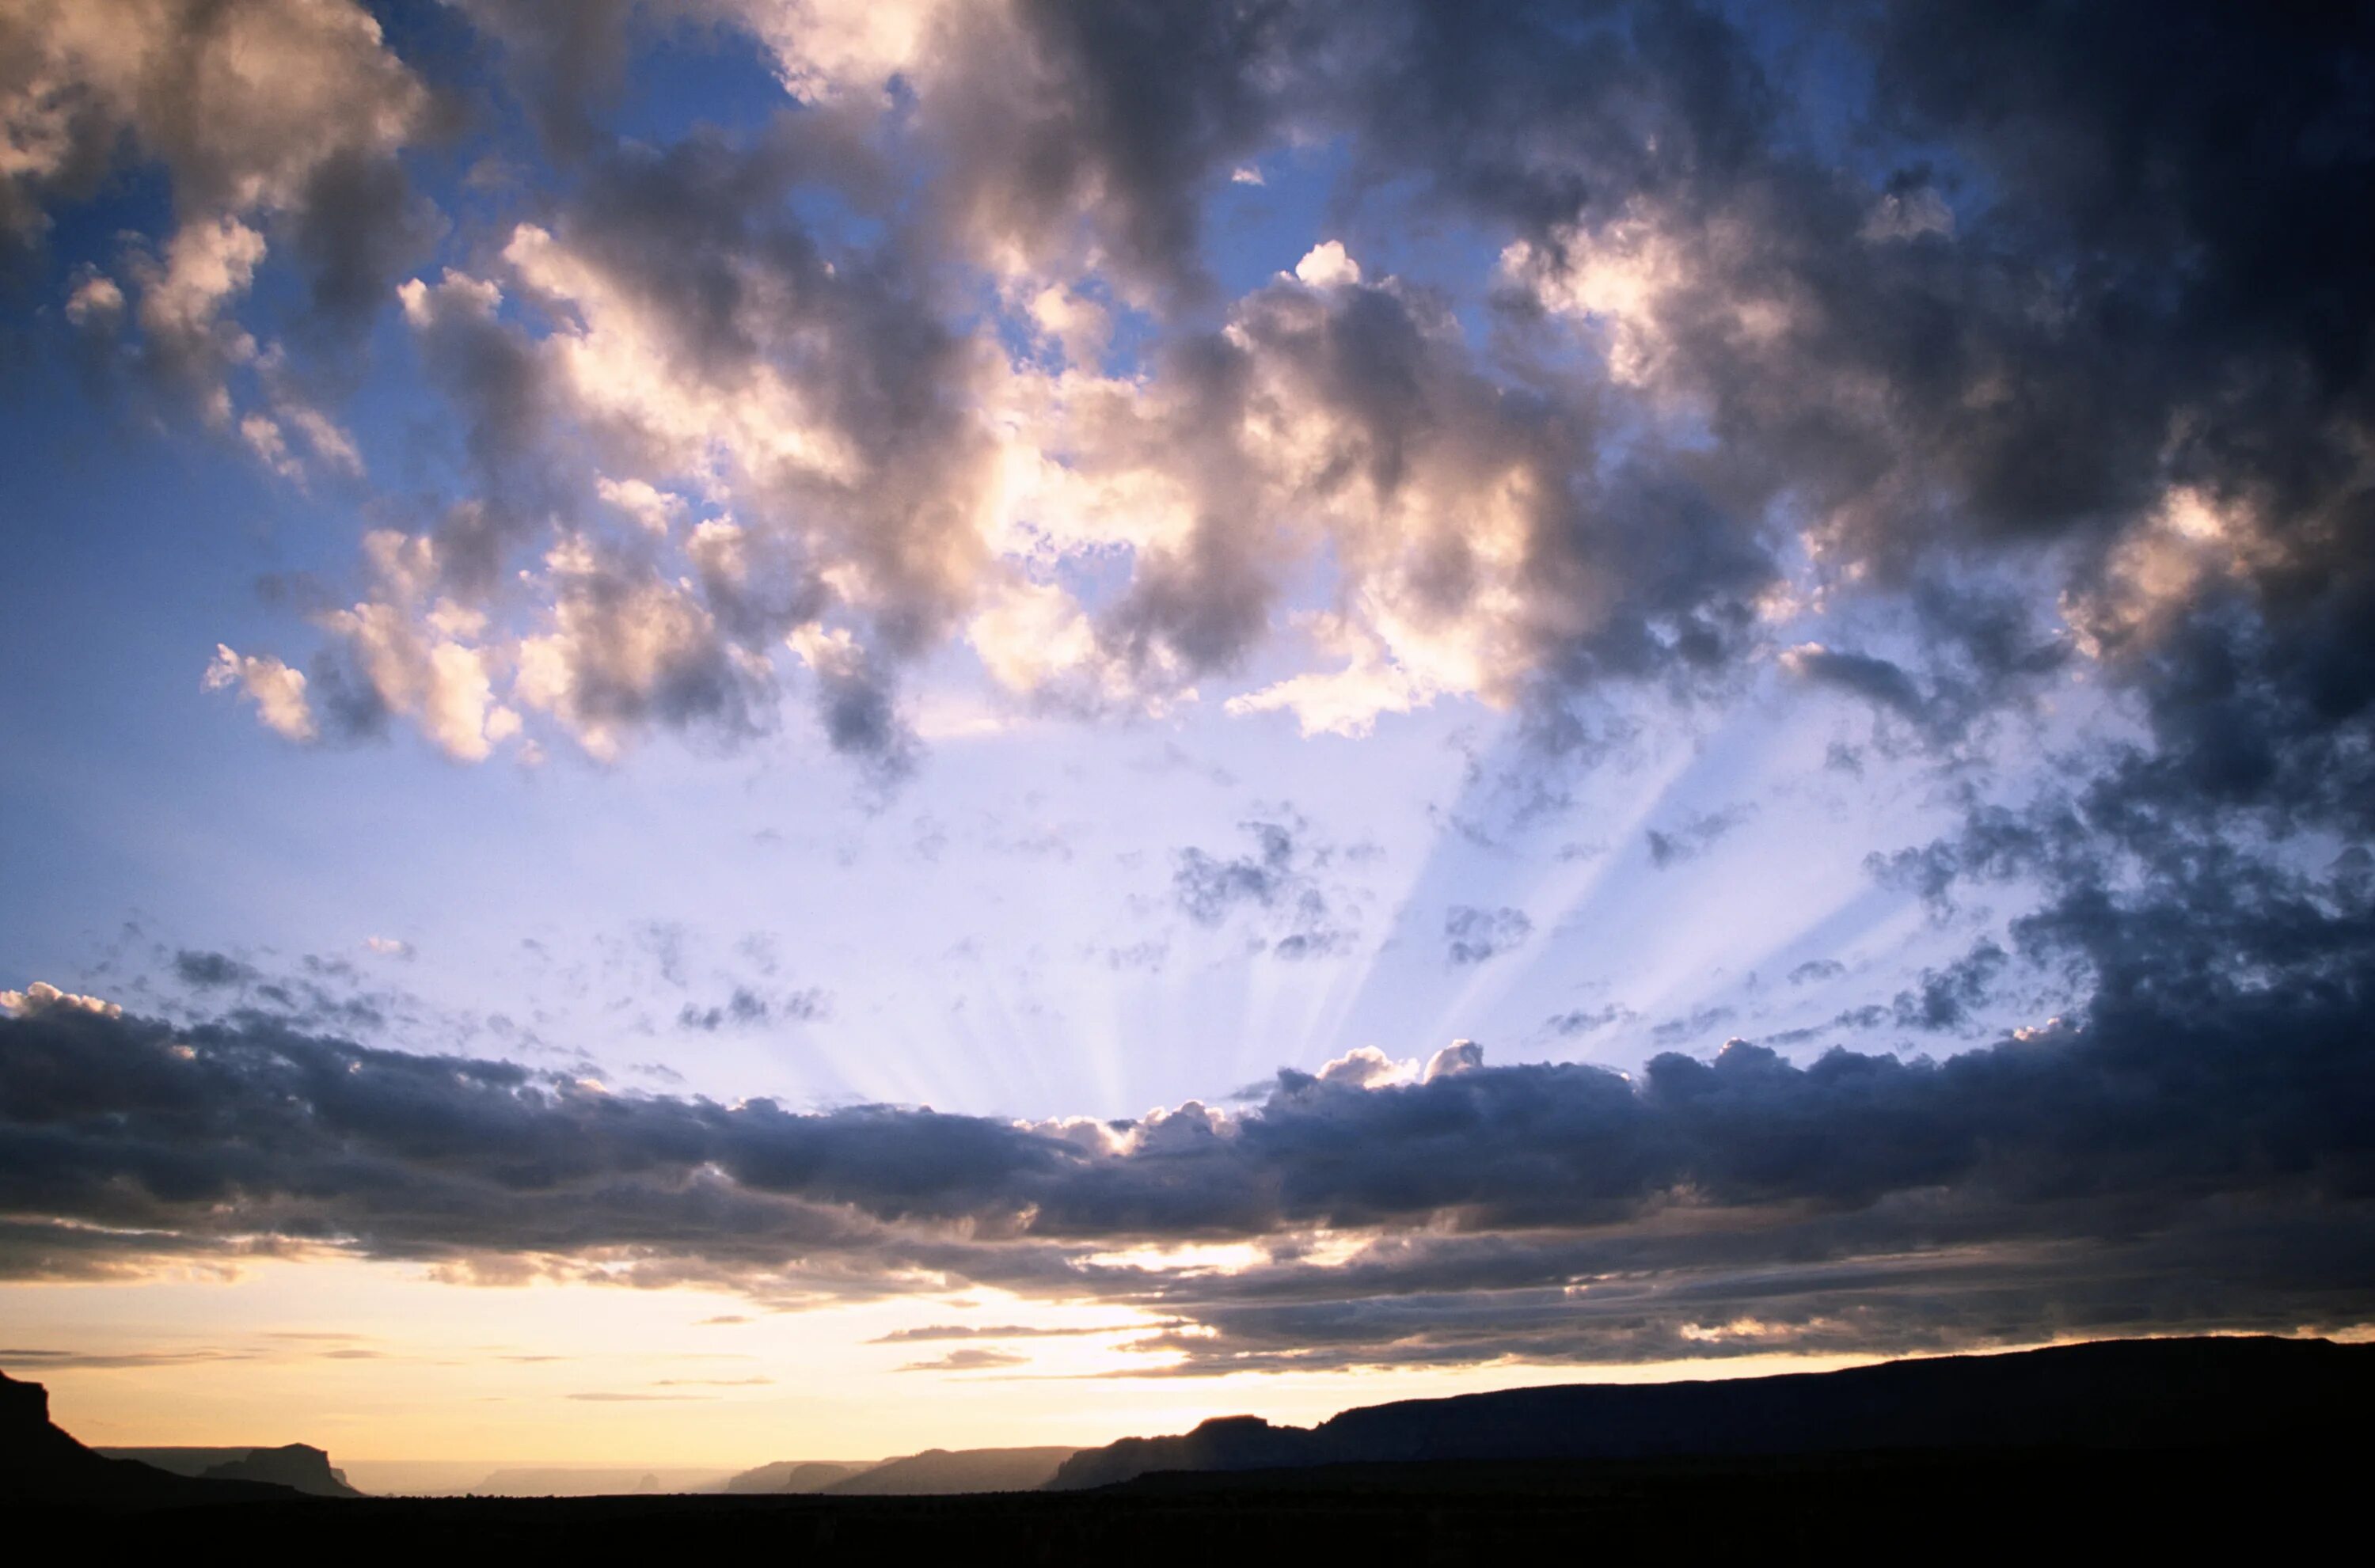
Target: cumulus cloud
{"type": "Point", "coordinates": [2088, 363]}
{"type": "Point", "coordinates": [277, 692]}
{"type": "Point", "coordinates": [265, 115]}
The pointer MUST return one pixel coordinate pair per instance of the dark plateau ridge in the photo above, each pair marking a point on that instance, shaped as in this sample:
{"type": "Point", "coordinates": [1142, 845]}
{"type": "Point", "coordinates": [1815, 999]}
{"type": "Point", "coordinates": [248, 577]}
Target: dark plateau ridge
{"type": "Point", "coordinates": [2237, 1443]}
{"type": "Point", "coordinates": [2133, 1393]}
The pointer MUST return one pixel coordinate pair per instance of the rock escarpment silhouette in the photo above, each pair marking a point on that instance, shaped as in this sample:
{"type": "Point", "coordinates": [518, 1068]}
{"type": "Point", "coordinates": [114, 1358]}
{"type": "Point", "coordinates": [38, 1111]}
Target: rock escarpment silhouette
{"type": "Point", "coordinates": [940, 1472]}
{"type": "Point", "coordinates": [41, 1464]}
{"type": "Point", "coordinates": [297, 1466]}
{"type": "Point", "coordinates": [2121, 1394]}
{"type": "Point", "coordinates": [800, 1476]}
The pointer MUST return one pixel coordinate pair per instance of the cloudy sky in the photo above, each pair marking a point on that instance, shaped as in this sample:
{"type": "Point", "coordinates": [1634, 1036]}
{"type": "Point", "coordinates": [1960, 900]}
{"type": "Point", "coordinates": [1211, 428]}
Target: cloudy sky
{"type": "Point", "coordinates": [763, 728]}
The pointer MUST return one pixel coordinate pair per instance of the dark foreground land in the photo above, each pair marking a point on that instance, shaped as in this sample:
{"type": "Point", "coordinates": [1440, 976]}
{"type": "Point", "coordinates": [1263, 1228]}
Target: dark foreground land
{"type": "Point", "coordinates": [2277, 1503]}
{"type": "Point", "coordinates": [2256, 1448]}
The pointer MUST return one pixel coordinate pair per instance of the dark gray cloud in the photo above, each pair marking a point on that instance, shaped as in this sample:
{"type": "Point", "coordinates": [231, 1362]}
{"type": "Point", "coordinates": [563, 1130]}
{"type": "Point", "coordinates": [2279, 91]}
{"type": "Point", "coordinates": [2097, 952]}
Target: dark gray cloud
{"type": "Point", "coordinates": [1947, 996]}
{"type": "Point", "coordinates": [2040, 1179]}
{"type": "Point", "coordinates": [209, 971]}
{"type": "Point", "coordinates": [360, 230]}
{"type": "Point", "coordinates": [1578, 1022]}
{"type": "Point", "coordinates": [1694, 837]}
{"type": "Point", "coordinates": [749, 1009]}
{"type": "Point", "coordinates": [1209, 887]}
{"type": "Point", "coordinates": [1675, 1031]}
{"type": "Point", "coordinates": [567, 61]}
{"type": "Point", "coordinates": [1068, 126]}
{"type": "Point", "coordinates": [1278, 885]}
{"type": "Point", "coordinates": [1471, 935]}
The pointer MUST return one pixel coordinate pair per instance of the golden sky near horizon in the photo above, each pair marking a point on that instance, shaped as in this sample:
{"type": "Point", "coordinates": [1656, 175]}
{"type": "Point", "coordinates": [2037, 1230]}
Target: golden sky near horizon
{"type": "Point", "coordinates": [379, 1361]}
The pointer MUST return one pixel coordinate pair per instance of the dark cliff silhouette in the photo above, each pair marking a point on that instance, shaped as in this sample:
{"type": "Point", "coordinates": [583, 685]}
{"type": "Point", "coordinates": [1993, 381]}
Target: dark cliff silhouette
{"type": "Point", "coordinates": [2116, 1450]}
{"type": "Point", "coordinates": [41, 1464]}
{"type": "Point", "coordinates": [2124, 1395]}
{"type": "Point", "coordinates": [798, 1476]}
{"type": "Point", "coordinates": [940, 1472]}
{"type": "Point", "coordinates": [297, 1466]}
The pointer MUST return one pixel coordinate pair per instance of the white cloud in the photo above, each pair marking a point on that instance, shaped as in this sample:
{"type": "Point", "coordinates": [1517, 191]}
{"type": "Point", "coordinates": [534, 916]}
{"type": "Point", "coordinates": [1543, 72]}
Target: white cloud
{"type": "Point", "coordinates": [277, 692]}
{"type": "Point", "coordinates": [654, 510]}
{"type": "Point", "coordinates": [96, 302]}
{"type": "Point", "coordinates": [40, 997]}
{"type": "Point", "coordinates": [1328, 267]}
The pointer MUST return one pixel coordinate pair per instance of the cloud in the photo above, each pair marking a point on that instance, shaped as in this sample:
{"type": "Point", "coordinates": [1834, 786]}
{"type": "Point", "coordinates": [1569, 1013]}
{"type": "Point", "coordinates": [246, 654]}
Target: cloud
{"type": "Point", "coordinates": [271, 115]}
{"type": "Point", "coordinates": [1488, 1200]}
{"type": "Point", "coordinates": [1693, 838]}
{"type": "Point", "coordinates": [208, 970]}
{"type": "Point", "coordinates": [1959, 362]}
{"type": "Point", "coordinates": [277, 692]}
{"type": "Point", "coordinates": [1471, 935]}
{"type": "Point", "coordinates": [1278, 883]}
{"type": "Point", "coordinates": [1699, 1021]}
{"type": "Point", "coordinates": [746, 1008]}
{"type": "Point", "coordinates": [1947, 996]}
{"type": "Point", "coordinates": [607, 1397]}
{"type": "Point", "coordinates": [713, 1382]}
{"type": "Point", "coordinates": [971, 1358]}
{"type": "Point", "coordinates": [990, 1331]}
{"type": "Point", "coordinates": [91, 1361]}
{"type": "Point", "coordinates": [1586, 1021]}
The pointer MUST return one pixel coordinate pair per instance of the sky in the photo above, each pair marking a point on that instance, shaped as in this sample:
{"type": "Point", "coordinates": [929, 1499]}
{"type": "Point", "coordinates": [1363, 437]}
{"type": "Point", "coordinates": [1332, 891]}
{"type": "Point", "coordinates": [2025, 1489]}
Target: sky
{"type": "Point", "coordinates": [740, 729]}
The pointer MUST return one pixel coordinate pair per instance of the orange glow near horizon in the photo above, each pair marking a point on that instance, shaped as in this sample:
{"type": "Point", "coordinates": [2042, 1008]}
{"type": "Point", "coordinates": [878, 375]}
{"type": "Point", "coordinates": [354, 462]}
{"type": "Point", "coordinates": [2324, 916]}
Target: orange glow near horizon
{"type": "Point", "coordinates": [378, 1362]}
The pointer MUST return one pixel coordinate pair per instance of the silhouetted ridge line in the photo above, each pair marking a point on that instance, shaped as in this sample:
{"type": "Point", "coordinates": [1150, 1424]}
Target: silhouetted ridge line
{"type": "Point", "coordinates": [797, 1476]}
{"type": "Point", "coordinates": [943, 1472]}
{"type": "Point", "coordinates": [41, 1464]}
{"type": "Point", "coordinates": [297, 1465]}
{"type": "Point", "coordinates": [2124, 1395]}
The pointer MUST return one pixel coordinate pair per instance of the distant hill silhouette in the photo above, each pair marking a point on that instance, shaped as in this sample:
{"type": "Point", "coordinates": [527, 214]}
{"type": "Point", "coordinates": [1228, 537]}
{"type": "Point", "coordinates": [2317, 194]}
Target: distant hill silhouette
{"type": "Point", "coordinates": [40, 1464]}
{"type": "Point", "coordinates": [2122, 1395]}
{"type": "Point", "coordinates": [798, 1475]}
{"type": "Point", "coordinates": [937, 1472]}
{"type": "Point", "coordinates": [294, 1465]}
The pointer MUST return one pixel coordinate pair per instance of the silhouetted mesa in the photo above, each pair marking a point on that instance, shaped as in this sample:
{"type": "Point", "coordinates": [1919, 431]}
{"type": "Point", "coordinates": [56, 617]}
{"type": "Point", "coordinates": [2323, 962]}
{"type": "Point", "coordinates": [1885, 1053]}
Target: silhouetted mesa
{"type": "Point", "coordinates": [297, 1465]}
{"type": "Point", "coordinates": [2124, 1395]}
{"type": "Point", "coordinates": [40, 1464]}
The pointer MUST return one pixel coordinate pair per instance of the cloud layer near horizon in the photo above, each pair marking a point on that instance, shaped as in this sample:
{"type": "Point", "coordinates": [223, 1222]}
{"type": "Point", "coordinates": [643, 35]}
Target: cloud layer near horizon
{"type": "Point", "coordinates": [2188, 1163]}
